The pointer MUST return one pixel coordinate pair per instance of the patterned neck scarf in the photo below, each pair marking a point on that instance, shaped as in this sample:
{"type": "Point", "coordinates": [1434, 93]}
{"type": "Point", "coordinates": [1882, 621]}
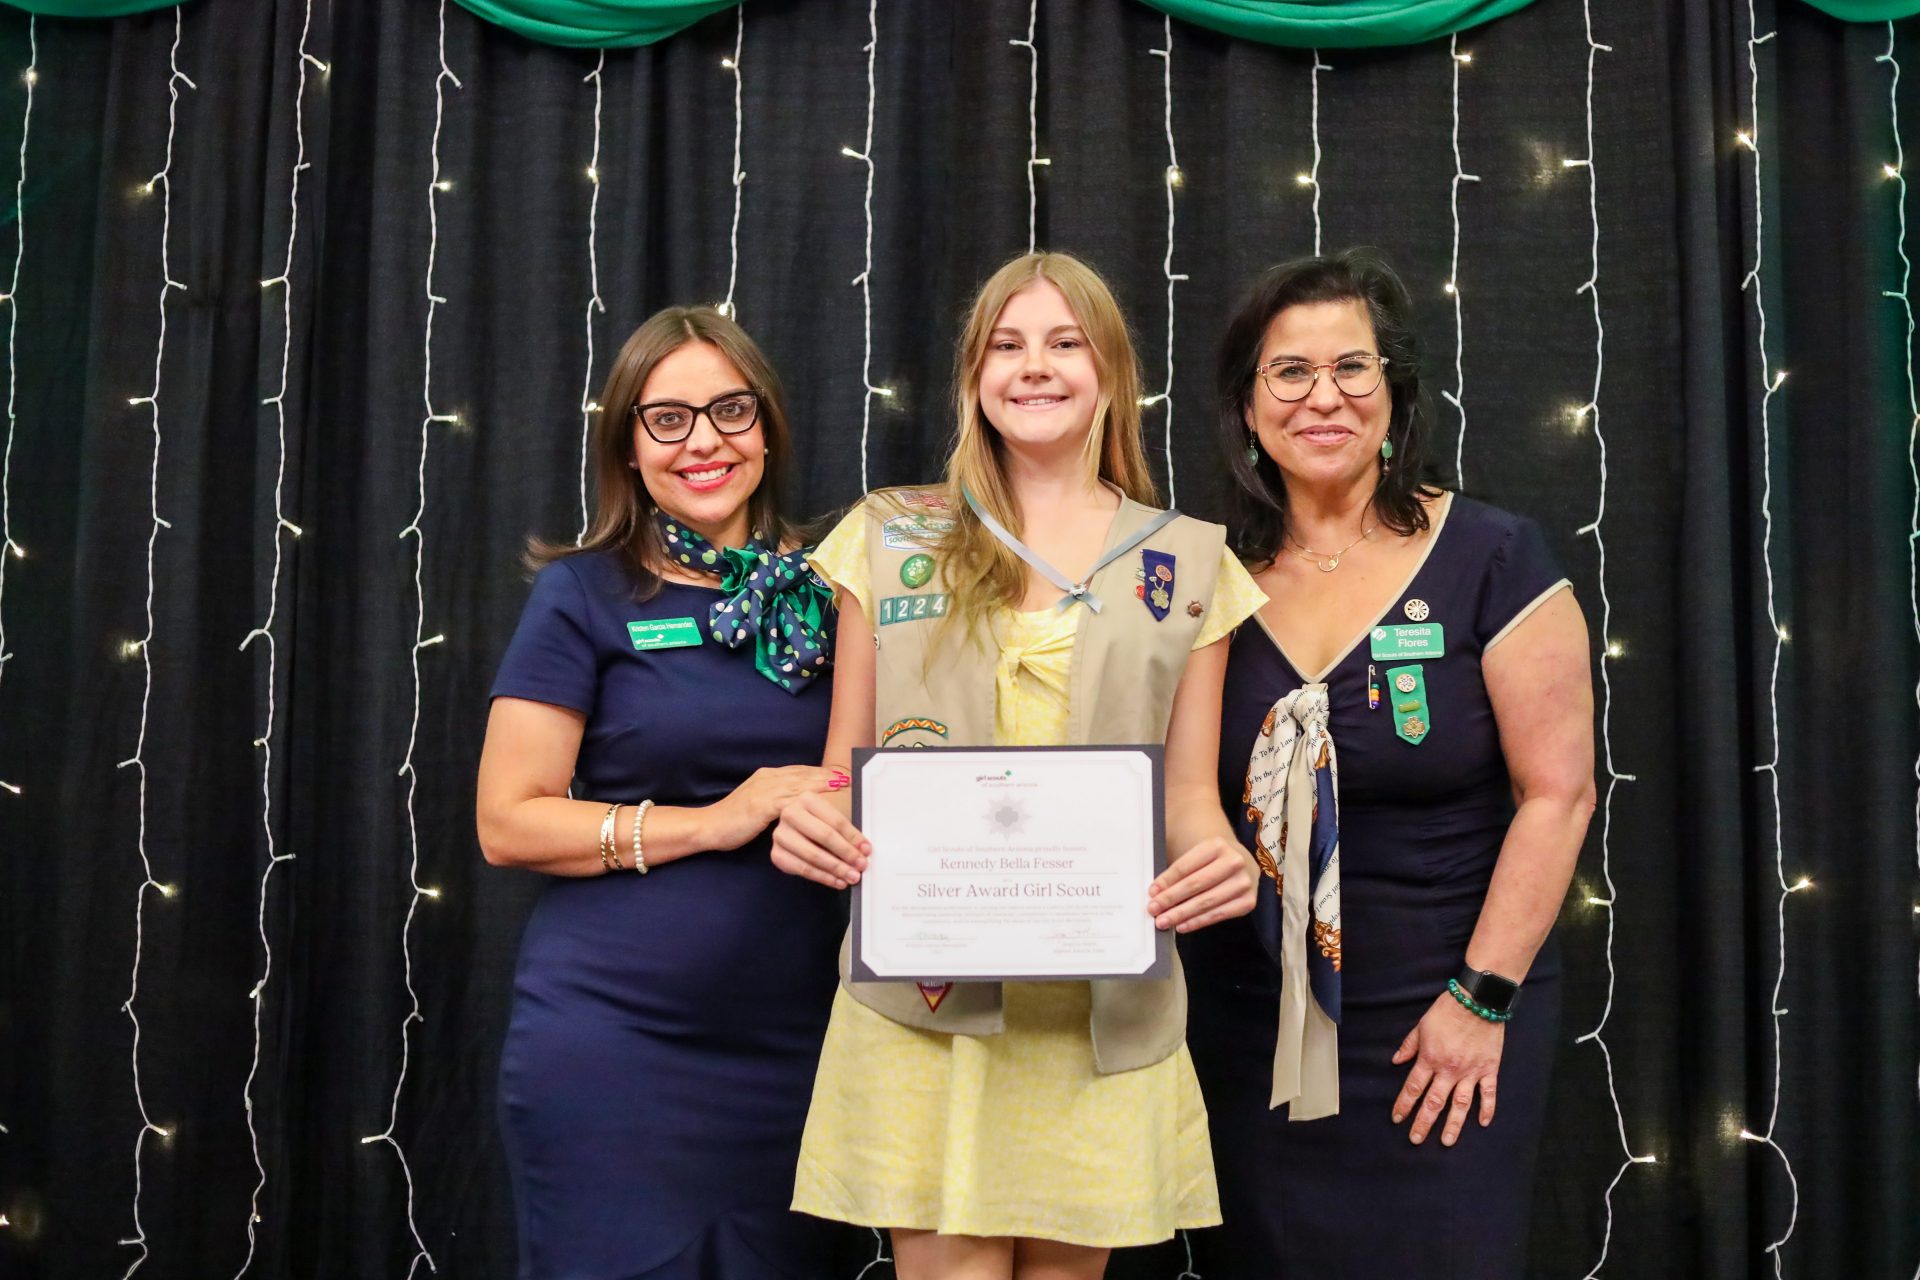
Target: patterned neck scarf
{"type": "Point", "coordinates": [1293, 802]}
{"type": "Point", "coordinates": [768, 597]}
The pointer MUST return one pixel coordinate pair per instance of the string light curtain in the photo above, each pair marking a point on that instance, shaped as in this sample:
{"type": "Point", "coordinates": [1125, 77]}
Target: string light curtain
{"type": "Point", "coordinates": [939, 114]}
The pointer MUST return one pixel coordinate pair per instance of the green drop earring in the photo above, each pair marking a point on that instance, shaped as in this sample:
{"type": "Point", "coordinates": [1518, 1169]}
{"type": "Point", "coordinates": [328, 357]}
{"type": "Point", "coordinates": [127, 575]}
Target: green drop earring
{"type": "Point", "coordinates": [1253, 449]}
{"type": "Point", "coordinates": [1386, 450]}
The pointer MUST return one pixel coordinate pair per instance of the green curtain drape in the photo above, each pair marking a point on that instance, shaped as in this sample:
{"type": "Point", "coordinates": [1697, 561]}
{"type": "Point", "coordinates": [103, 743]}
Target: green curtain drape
{"type": "Point", "coordinates": [1338, 24]}
{"type": "Point", "coordinates": [596, 24]}
{"type": "Point", "coordinates": [1867, 10]}
{"type": "Point", "coordinates": [90, 8]}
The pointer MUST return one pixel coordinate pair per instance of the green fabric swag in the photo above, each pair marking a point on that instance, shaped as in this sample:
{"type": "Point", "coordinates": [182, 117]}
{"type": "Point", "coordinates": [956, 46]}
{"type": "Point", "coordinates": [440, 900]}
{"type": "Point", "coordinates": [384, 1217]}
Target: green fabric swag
{"type": "Point", "coordinates": [90, 8]}
{"type": "Point", "coordinates": [1342, 24]}
{"type": "Point", "coordinates": [595, 24]}
{"type": "Point", "coordinates": [1867, 10]}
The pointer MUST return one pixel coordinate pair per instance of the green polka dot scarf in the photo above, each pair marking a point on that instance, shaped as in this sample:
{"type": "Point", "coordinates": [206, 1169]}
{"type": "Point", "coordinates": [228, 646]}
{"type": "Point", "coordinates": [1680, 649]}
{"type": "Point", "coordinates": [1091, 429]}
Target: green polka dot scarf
{"type": "Point", "coordinates": [771, 600]}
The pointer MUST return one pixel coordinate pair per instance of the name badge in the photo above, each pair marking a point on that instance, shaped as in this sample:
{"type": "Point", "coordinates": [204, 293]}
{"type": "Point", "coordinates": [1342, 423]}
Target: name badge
{"type": "Point", "coordinates": [1426, 640]}
{"type": "Point", "coordinates": [912, 608]}
{"type": "Point", "coordinates": [664, 633]}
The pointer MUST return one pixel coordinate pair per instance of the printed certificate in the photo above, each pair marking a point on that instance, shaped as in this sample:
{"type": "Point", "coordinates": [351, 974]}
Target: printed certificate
{"type": "Point", "coordinates": [1011, 863]}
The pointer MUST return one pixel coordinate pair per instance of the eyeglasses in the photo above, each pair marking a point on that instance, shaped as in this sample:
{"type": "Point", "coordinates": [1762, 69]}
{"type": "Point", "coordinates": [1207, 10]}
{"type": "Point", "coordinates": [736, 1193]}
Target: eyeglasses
{"type": "Point", "coordinates": [1354, 375]}
{"type": "Point", "coordinates": [671, 421]}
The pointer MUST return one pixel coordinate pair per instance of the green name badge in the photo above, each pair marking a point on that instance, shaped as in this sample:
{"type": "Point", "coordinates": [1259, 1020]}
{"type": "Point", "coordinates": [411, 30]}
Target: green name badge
{"type": "Point", "coordinates": [664, 633]}
{"type": "Point", "coordinates": [1412, 717]}
{"type": "Point", "coordinates": [1422, 640]}
{"type": "Point", "coordinates": [912, 608]}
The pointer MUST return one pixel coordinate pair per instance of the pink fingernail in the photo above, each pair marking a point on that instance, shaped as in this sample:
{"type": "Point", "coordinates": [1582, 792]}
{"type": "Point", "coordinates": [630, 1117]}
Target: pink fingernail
{"type": "Point", "coordinates": [837, 783]}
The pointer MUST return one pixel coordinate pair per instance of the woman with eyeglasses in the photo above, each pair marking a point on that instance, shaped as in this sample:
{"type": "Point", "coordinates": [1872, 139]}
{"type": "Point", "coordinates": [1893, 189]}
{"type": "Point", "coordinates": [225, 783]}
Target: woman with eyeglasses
{"type": "Point", "coordinates": [660, 702]}
{"type": "Point", "coordinates": [1407, 743]}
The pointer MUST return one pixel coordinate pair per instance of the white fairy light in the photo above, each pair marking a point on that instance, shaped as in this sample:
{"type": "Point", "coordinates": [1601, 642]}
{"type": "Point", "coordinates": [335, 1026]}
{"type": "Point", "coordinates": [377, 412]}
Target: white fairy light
{"type": "Point", "coordinates": [1173, 180]}
{"type": "Point", "coordinates": [264, 630]}
{"type": "Point", "coordinates": [587, 406]}
{"type": "Point", "coordinates": [10, 549]}
{"type": "Point", "coordinates": [739, 175]}
{"type": "Point", "coordinates": [1770, 382]}
{"type": "Point", "coordinates": [1033, 122]}
{"type": "Point", "coordinates": [1457, 396]}
{"type": "Point", "coordinates": [1312, 179]}
{"type": "Point", "coordinates": [880, 1256]}
{"type": "Point", "coordinates": [429, 416]}
{"type": "Point", "coordinates": [1904, 296]}
{"type": "Point", "coordinates": [143, 647]}
{"type": "Point", "coordinates": [865, 279]}
{"type": "Point", "coordinates": [1611, 648]}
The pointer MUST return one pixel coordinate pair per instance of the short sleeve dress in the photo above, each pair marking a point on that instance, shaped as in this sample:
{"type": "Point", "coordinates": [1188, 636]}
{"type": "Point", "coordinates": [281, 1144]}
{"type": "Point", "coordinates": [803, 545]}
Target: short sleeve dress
{"type": "Point", "coordinates": [1420, 828]}
{"type": "Point", "coordinates": [664, 1028]}
{"type": "Point", "coordinates": [1013, 1134]}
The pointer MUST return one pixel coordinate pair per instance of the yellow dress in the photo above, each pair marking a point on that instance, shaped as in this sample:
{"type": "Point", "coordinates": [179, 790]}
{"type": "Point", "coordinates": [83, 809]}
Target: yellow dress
{"type": "Point", "coordinates": [1013, 1134]}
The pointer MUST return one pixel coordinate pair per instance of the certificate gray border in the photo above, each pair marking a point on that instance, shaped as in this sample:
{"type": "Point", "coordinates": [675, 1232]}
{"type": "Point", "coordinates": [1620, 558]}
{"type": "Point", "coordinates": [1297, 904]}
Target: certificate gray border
{"type": "Point", "coordinates": [1162, 966]}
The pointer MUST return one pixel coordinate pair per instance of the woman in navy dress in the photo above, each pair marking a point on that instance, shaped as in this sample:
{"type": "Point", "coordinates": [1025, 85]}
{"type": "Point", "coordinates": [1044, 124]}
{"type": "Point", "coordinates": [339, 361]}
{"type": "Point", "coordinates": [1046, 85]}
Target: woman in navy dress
{"type": "Point", "coordinates": [660, 701]}
{"type": "Point", "coordinates": [1417, 701]}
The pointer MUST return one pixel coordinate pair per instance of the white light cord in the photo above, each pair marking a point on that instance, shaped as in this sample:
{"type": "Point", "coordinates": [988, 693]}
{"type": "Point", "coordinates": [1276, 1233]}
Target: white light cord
{"type": "Point", "coordinates": [1314, 179]}
{"type": "Point", "coordinates": [1770, 386]}
{"type": "Point", "coordinates": [588, 407]}
{"type": "Point", "coordinates": [1904, 296]}
{"type": "Point", "coordinates": [880, 1256]}
{"type": "Point", "coordinates": [10, 549]}
{"type": "Point", "coordinates": [1610, 647]}
{"type": "Point", "coordinates": [1457, 396]}
{"type": "Point", "coordinates": [264, 630]}
{"type": "Point", "coordinates": [1034, 160]}
{"type": "Point", "coordinates": [429, 416]}
{"type": "Point", "coordinates": [143, 647]}
{"type": "Point", "coordinates": [865, 279]}
{"type": "Point", "coordinates": [732, 64]}
{"type": "Point", "coordinates": [1174, 178]}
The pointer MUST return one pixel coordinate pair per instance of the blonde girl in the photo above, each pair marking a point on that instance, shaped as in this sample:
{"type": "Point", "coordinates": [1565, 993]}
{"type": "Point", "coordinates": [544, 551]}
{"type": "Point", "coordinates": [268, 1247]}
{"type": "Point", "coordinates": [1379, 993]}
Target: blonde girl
{"type": "Point", "coordinates": [1026, 1129]}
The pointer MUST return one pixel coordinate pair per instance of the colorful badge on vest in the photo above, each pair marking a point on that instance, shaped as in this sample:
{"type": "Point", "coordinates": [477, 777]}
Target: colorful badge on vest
{"type": "Point", "coordinates": [912, 724]}
{"type": "Point", "coordinates": [912, 608]}
{"type": "Point", "coordinates": [1412, 717]}
{"type": "Point", "coordinates": [916, 569]}
{"type": "Point", "coordinates": [1158, 583]}
{"type": "Point", "coordinates": [933, 993]}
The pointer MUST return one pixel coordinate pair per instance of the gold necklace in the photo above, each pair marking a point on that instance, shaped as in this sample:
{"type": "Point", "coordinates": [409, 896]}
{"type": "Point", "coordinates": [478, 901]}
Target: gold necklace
{"type": "Point", "coordinates": [1321, 560]}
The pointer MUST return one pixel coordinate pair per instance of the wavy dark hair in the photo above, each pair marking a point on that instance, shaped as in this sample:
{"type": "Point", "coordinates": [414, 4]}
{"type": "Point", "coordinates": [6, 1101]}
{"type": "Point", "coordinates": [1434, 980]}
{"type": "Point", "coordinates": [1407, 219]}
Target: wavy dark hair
{"type": "Point", "coordinates": [623, 509]}
{"type": "Point", "coordinates": [1259, 515]}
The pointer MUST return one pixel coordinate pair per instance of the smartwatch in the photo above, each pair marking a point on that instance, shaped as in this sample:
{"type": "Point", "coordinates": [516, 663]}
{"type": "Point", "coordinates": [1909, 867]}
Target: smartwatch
{"type": "Point", "coordinates": [1489, 990]}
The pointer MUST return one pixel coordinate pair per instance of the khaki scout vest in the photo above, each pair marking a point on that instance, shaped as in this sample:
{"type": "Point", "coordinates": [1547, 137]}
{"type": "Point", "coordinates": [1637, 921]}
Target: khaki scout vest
{"type": "Point", "coordinates": [1125, 668]}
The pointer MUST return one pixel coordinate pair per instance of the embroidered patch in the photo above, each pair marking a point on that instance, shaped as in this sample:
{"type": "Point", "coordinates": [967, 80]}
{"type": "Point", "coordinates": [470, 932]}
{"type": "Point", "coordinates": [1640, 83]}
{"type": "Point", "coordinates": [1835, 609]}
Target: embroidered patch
{"type": "Point", "coordinates": [912, 608]}
{"type": "Point", "coordinates": [924, 724]}
{"type": "Point", "coordinates": [914, 532]}
{"type": "Point", "coordinates": [1158, 581]}
{"type": "Point", "coordinates": [933, 993]}
{"type": "Point", "coordinates": [916, 569]}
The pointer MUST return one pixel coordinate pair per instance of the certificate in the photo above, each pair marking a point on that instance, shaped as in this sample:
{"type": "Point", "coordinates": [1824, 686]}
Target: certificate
{"type": "Point", "coordinates": [1009, 864]}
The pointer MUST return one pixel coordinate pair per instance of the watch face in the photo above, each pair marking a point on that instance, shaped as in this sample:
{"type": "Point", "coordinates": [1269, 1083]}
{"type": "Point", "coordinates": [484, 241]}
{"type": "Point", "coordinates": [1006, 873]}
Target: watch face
{"type": "Point", "coordinates": [1490, 990]}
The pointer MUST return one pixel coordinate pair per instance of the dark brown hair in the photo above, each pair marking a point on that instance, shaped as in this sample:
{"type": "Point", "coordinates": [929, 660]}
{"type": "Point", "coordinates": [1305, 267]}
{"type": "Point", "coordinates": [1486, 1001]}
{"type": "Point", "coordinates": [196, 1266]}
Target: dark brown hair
{"type": "Point", "coordinates": [1259, 517]}
{"type": "Point", "coordinates": [623, 509]}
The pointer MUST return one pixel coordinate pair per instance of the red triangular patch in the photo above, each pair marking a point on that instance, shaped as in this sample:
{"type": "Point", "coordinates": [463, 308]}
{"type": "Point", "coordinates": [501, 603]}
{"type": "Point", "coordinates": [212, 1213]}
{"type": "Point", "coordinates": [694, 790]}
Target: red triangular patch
{"type": "Point", "coordinates": [933, 993]}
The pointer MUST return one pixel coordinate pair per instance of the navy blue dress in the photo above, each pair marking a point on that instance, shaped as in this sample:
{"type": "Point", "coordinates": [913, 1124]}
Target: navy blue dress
{"type": "Point", "coordinates": [1420, 829]}
{"type": "Point", "coordinates": [665, 1028]}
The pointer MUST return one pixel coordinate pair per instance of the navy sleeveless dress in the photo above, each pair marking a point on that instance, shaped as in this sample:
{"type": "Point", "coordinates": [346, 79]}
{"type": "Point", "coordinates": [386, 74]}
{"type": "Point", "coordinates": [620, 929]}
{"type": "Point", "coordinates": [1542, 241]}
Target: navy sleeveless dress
{"type": "Point", "coordinates": [665, 1028]}
{"type": "Point", "coordinates": [1420, 829]}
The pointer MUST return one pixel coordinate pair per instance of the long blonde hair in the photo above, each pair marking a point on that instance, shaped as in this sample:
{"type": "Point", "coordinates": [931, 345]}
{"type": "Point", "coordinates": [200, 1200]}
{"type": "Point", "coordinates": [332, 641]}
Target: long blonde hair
{"type": "Point", "coordinates": [981, 572]}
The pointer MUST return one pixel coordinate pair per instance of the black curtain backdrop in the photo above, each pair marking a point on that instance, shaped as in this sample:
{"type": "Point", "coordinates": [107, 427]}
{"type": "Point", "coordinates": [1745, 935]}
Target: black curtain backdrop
{"type": "Point", "coordinates": [1695, 1052]}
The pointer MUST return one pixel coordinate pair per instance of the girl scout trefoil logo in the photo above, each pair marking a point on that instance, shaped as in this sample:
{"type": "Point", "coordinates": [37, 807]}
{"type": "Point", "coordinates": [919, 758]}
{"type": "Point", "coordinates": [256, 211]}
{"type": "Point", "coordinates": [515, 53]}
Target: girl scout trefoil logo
{"type": "Point", "coordinates": [915, 570]}
{"type": "Point", "coordinates": [1158, 583]}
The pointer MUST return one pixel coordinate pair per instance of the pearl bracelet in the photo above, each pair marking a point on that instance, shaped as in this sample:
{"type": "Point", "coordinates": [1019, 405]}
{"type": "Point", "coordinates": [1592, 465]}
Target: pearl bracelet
{"type": "Point", "coordinates": [639, 853]}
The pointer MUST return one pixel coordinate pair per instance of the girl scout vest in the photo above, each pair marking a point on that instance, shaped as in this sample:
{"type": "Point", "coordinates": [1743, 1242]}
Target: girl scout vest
{"type": "Point", "coordinates": [1127, 661]}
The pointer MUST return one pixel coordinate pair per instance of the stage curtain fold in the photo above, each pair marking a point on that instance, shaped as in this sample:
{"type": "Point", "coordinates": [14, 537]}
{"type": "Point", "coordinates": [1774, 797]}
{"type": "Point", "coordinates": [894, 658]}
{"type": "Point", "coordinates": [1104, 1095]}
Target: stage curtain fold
{"type": "Point", "coordinates": [1338, 24]}
{"type": "Point", "coordinates": [596, 24]}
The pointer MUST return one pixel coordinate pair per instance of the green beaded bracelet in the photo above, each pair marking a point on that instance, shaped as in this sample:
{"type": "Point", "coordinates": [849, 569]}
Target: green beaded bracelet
{"type": "Point", "coordinates": [1473, 1006]}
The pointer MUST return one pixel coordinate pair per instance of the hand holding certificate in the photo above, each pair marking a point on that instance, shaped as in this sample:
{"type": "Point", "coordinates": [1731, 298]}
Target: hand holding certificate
{"type": "Point", "coordinates": [1009, 864]}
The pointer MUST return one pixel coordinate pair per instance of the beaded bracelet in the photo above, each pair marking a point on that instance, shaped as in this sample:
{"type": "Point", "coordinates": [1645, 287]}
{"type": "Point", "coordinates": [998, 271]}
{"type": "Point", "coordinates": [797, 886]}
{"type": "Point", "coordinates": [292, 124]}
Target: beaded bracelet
{"type": "Point", "coordinates": [1473, 1006]}
{"type": "Point", "coordinates": [639, 853]}
{"type": "Point", "coordinates": [609, 851]}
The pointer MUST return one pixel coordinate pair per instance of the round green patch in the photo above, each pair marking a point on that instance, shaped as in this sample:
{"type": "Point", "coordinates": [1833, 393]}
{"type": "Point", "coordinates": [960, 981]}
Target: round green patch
{"type": "Point", "coordinates": [916, 570]}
